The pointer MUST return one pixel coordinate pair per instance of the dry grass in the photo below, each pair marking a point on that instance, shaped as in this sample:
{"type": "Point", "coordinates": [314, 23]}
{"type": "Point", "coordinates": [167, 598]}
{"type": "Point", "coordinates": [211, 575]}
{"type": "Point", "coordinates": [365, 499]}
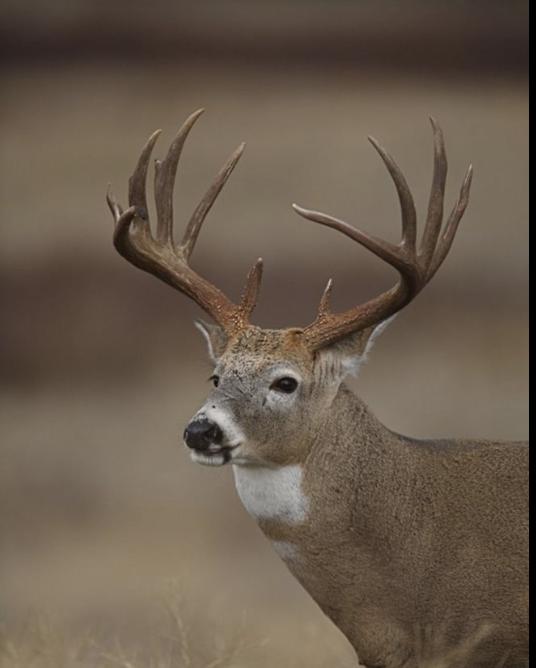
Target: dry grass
{"type": "Point", "coordinates": [172, 639]}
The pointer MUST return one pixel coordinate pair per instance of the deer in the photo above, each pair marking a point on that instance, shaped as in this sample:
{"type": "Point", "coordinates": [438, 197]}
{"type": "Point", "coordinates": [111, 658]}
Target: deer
{"type": "Point", "coordinates": [416, 549]}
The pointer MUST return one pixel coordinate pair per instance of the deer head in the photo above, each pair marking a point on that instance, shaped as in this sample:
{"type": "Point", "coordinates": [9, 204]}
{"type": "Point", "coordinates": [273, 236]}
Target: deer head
{"type": "Point", "coordinates": [273, 388]}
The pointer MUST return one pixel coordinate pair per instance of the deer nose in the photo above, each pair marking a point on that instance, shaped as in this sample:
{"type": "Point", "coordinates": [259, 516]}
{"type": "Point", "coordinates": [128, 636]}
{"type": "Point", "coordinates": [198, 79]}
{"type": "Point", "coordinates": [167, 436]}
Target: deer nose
{"type": "Point", "coordinates": [200, 434]}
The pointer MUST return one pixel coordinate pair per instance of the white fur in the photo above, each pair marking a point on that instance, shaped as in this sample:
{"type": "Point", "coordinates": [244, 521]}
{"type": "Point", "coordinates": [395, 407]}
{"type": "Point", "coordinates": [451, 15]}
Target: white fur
{"type": "Point", "coordinates": [375, 333]}
{"type": "Point", "coordinates": [352, 364]}
{"type": "Point", "coordinates": [233, 435]}
{"type": "Point", "coordinates": [204, 328]}
{"type": "Point", "coordinates": [272, 493]}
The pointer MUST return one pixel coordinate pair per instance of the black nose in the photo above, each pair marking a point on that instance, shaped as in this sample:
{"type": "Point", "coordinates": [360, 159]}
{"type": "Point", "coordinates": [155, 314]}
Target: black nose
{"type": "Point", "coordinates": [199, 434]}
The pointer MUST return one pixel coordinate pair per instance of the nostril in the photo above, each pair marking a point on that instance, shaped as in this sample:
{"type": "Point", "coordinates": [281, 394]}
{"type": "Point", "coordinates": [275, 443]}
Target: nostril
{"type": "Point", "coordinates": [215, 434]}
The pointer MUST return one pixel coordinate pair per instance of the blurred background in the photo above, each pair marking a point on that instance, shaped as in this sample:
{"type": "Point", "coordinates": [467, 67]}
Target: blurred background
{"type": "Point", "coordinates": [100, 506]}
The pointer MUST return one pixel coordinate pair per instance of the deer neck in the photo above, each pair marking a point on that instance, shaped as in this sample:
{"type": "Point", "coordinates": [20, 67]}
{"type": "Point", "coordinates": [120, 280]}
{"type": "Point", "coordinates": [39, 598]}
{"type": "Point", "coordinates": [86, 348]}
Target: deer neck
{"type": "Point", "coordinates": [348, 457]}
{"type": "Point", "coordinates": [338, 519]}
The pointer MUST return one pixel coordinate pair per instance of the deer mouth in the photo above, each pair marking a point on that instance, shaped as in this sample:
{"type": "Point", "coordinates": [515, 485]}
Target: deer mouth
{"type": "Point", "coordinates": [215, 455]}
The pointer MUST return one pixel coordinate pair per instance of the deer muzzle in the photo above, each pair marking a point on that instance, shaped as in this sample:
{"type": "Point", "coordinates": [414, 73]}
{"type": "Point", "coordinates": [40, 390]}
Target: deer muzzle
{"type": "Point", "coordinates": [201, 433]}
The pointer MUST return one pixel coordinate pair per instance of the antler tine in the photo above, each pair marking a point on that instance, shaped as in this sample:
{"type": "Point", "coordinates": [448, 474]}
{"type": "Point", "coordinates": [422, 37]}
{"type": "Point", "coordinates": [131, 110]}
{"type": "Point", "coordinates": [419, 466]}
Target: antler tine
{"type": "Point", "coordinates": [383, 249]}
{"type": "Point", "coordinates": [324, 307]}
{"type": "Point", "coordinates": [136, 183]}
{"type": "Point", "coordinates": [251, 290]}
{"type": "Point", "coordinates": [137, 196]}
{"type": "Point", "coordinates": [407, 205]}
{"type": "Point", "coordinates": [137, 211]}
{"type": "Point", "coordinates": [415, 269]}
{"type": "Point", "coordinates": [434, 218]}
{"type": "Point", "coordinates": [165, 173]}
{"type": "Point", "coordinates": [122, 238]}
{"type": "Point", "coordinates": [196, 221]}
{"type": "Point", "coordinates": [113, 204]}
{"type": "Point", "coordinates": [453, 221]}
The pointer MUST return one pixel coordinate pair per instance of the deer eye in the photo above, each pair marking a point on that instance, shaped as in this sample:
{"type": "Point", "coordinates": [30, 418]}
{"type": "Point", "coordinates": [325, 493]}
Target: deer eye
{"type": "Point", "coordinates": [287, 384]}
{"type": "Point", "coordinates": [215, 380]}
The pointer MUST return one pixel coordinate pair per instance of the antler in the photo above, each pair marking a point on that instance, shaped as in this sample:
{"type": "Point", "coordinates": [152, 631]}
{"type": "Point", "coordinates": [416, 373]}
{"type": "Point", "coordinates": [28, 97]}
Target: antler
{"type": "Point", "coordinates": [159, 255]}
{"type": "Point", "coordinates": [415, 266]}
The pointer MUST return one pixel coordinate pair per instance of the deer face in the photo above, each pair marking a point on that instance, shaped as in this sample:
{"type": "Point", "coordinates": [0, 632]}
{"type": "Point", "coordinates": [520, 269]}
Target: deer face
{"type": "Point", "coordinates": [270, 395]}
{"type": "Point", "coordinates": [261, 397]}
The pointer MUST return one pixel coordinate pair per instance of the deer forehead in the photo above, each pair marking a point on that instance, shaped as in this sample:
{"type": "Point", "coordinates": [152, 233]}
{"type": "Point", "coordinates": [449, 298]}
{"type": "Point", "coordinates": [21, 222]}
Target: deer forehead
{"type": "Point", "coordinates": [270, 345]}
{"type": "Point", "coordinates": [255, 351]}
{"type": "Point", "coordinates": [254, 370]}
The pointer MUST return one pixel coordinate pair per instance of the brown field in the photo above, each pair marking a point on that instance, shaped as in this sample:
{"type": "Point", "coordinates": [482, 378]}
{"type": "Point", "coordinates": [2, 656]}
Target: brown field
{"type": "Point", "coordinates": [100, 507]}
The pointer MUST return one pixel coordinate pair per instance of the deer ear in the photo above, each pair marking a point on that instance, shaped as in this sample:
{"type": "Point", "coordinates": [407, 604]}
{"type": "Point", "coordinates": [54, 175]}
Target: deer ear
{"type": "Point", "coordinates": [215, 337]}
{"type": "Point", "coordinates": [353, 350]}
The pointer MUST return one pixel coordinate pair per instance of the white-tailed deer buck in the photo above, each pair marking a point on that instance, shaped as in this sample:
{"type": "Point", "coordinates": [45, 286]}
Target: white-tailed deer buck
{"type": "Point", "coordinates": [416, 549]}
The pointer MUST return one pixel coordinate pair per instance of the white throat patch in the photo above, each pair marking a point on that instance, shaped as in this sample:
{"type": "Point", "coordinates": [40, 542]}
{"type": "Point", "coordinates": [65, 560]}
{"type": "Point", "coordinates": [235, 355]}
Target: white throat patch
{"type": "Point", "coordinates": [272, 493]}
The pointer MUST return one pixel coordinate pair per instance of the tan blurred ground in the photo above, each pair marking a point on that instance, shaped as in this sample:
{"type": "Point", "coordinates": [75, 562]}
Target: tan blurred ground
{"type": "Point", "coordinates": [99, 504]}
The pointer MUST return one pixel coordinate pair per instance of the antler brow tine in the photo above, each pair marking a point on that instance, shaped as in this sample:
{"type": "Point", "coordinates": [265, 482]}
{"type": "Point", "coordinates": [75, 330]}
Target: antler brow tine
{"type": "Point", "coordinates": [252, 288]}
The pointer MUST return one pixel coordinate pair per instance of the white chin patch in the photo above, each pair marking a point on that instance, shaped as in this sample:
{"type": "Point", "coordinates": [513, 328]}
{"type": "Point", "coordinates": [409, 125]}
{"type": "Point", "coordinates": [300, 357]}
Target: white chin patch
{"type": "Point", "coordinates": [273, 493]}
{"type": "Point", "coordinates": [216, 459]}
